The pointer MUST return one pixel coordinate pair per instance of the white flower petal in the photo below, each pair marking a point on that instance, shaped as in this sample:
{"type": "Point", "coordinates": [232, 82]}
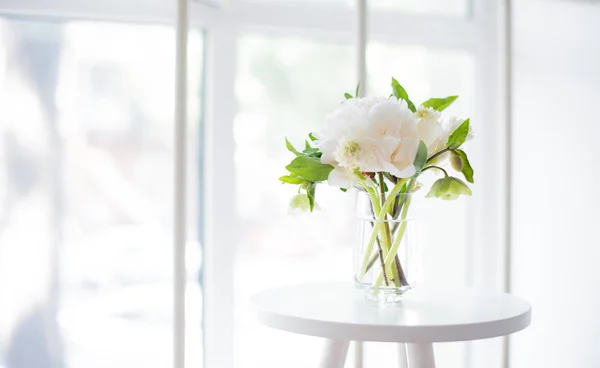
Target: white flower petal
{"type": "Point", "coordinates": [428, 113]}
{"type": "Point", "coordinates": [405, 172]}
{"type": "Point", "coordinates": [405, 157]}
{"type": "Point", "coordinates": [327, 147]}
{"type": "Point", "coordinates": [342, 178]}
{"type": "Point", "coordinates": [430, 132]}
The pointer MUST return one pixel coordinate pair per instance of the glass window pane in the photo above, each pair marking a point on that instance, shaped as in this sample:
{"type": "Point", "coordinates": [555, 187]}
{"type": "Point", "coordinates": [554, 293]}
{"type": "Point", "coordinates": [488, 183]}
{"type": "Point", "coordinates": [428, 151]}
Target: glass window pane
{"type": "Point", "coordinates": [86, 162]}
{"type": "Point", "coordinates": [285, 86]}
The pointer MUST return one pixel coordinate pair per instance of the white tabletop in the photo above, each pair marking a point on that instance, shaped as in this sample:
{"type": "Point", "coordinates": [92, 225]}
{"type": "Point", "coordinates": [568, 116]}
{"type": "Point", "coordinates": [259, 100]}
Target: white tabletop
{"type": "Point", "coordinates": [339, 311]}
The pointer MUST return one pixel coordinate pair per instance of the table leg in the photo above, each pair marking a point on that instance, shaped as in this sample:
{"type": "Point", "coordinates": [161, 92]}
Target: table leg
{"type": "Point", "coordinates": [358, 354]}
{"type": "Point", "coordinates": [420, 355]}
{"type": "Point", "coordinates": [402, 358]}
{"type": "Point", "coordinates": [334, 354]}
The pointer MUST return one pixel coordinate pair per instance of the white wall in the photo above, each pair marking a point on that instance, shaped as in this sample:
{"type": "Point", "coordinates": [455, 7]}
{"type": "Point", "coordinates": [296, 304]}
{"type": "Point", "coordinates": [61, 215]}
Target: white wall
{"type": "Point", "coordinates": [556, 182]}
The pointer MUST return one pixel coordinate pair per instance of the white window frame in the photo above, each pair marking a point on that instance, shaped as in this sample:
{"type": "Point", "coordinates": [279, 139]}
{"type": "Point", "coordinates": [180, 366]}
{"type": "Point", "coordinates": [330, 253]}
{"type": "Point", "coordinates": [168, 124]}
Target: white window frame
{"type": "Point", "coordinates": [481, 35]}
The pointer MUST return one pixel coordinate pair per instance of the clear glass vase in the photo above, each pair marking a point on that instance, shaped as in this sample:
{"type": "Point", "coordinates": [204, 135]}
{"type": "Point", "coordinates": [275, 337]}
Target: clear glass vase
{"type": "Point", "coordinates": [385, 239]}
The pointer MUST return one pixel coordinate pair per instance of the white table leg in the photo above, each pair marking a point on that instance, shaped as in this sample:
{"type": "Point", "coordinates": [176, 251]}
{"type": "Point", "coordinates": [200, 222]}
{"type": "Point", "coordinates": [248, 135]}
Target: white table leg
{"type": "Point", "coordinates": [420, 355]}
{"type": "Point", "coordinates": [358, 354]}
{"type": "Point", "coordinates": [334, 354]}
{"type": "Point", "coordinates": [402, 358]}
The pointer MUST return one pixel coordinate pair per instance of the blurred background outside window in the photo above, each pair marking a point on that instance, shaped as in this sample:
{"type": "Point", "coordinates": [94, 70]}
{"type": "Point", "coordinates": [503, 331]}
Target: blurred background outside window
{"type": "Point", "coordinates": [86, 161]}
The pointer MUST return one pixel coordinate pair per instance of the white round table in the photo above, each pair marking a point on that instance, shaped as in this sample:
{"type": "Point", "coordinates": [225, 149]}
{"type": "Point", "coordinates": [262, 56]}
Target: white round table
{"type": "Point", "coordinates": [340, 313]}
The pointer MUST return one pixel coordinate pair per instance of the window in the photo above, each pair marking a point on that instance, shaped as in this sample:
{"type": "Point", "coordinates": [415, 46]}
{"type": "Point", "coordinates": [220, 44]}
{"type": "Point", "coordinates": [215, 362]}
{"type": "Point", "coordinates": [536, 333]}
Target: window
{"type": "Point", "coordinates": [85, 225]}
{"type": "Point", "coordinates": [91, 133]}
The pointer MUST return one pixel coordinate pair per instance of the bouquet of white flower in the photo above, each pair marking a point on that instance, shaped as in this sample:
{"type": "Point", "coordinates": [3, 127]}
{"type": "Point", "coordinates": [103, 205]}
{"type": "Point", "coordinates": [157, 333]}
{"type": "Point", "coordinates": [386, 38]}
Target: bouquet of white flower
{"type": "Point", "coordinates": [381, 146]}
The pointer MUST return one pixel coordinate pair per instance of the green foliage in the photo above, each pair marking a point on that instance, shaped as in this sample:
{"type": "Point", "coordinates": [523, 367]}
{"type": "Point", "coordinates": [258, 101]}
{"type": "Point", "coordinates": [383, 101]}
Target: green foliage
{"type": "Point", "coordinates": [311, 195]}
{"type": "Point", "coordinates": [309, 168]}
{"type": "Point", "coordinates": [308, 150]}
{"type": "Point", "coordinates": [401, 94]}
{"type": "Point", "coordinates": [291, 179]}
{"type": "Point", "coordinates": [291, 148]}
{"type": "Point", "coordinates": [448, 188]}
{"type": "Point", "coordinates": [313, 152]}
{"type": "Point", "coordinates": [466, 168]}
{"type": "Point", "coordinates": [420, 158]}
{"type": "Point", "coordinates": [458, 137]}
{"type": "Point", "coordinates": [439, 104]}
{"type": "Point", "coordinates": [306, 170]}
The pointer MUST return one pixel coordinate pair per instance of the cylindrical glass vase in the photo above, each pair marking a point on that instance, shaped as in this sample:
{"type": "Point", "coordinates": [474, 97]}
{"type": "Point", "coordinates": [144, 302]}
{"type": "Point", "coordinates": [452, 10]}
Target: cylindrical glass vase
{"type": "Point", "coordinates": [386, 258]}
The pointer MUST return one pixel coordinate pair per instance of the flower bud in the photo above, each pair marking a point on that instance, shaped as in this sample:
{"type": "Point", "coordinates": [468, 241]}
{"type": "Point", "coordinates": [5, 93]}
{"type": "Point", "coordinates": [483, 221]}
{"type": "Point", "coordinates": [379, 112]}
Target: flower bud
{"type": "Point", "coordinates": [299, 203]}
{"type": "Point", "coordinates": [448, 189]}
{"type": "Point", "coordinates": [456, 161]}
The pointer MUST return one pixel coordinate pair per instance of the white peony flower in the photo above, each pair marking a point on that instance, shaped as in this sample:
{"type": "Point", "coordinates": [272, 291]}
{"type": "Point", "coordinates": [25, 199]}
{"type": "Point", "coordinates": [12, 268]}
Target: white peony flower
{"type": "Point", "coordinates": [368, 154]}
{"type": "Point", "coordinates": [389, 117]}
{"type": "Point", "coordinates": [371, 135]}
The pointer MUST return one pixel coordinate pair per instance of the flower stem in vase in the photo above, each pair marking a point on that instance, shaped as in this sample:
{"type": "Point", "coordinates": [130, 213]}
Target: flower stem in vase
{"type": "Point", "coordinates": [391, 256]}
{"type": "Point", "coordinates": [377, 228]}
{"type": "Point", "coordinates": [387, 235]}
{"type": "Point", "coordinates": [376, 211]}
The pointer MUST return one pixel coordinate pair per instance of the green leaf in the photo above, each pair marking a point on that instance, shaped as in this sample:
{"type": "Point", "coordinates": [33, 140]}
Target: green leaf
{"type": "Point", "coordinates": [291, 179]}
{"type": "Point", "coordinates": [344, 190]}
{"type": "Point", "coordinates": [311, 195]}
{"type": "Point", "coordinates": [313, 152]}
{"type": "Point", "coordinates": [306, 145]}
{"type": "Point", "coordinates": [448, 188]}
{"type": "Point", "coordinates": [400, 93]}
{"type": "Point", "coordinates": [291, 148]}
{"type": "Point", "coordinates": [312, 137]}
{"type": "Point", "coordinates": [439, 104]}
{"type": "Point", "coordinates": [348, 96]}
{"type": "Point", "coordinates": [458, 137]}
{"type": "Point", "coordinates": [310, 151]}
{"type": "Point", "coordinates": [420, 158]}
{"type": "Point", "coordinates": [467, 170]}
{"type": "Point", "coordinates": [309, 168]}
{"type": "Point", "coordinates": [357, 89]}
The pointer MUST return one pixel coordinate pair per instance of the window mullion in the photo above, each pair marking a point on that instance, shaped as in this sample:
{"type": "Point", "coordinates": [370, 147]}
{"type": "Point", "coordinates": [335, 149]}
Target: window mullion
{"type": "Point", "coordinates": [220, 221]}
{"type": "Point", "coordinates": [488, 236]}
